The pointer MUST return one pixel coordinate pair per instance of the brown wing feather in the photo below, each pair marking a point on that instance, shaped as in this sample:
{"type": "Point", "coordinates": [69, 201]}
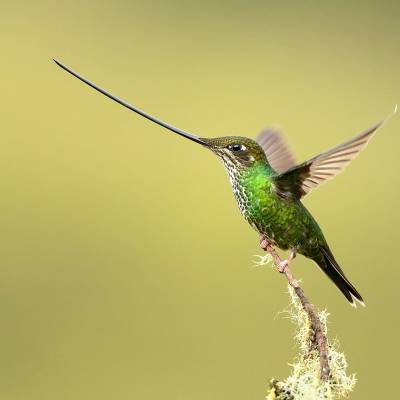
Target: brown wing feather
{"type": "Point", "coordinates": [303, 178]}
{"type": "Point", "coordinates": [277, 151]}
{"type": "Point", "coordinates": [329, 164]}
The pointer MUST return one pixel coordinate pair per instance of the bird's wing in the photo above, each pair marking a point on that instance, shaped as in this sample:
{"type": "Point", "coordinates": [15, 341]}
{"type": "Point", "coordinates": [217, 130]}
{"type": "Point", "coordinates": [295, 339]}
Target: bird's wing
{"type": "Point", "coordinates": [277, 151]}
{"type": "Point", "coordinates": [301, 179]}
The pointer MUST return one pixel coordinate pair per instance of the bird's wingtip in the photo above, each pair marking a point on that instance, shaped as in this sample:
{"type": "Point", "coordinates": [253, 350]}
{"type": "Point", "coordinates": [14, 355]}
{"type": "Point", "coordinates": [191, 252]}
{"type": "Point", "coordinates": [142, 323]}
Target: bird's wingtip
{"type": "Point", "coordinates": [393, 112]}
{"type": "Point", "coordinates": [389, 116]}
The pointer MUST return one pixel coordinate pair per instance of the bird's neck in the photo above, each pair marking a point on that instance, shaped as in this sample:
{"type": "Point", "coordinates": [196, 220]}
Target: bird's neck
{"type": "Point", "coordinates": [256, 177]}
{"type": "Point", "coordinates": [249, 175]}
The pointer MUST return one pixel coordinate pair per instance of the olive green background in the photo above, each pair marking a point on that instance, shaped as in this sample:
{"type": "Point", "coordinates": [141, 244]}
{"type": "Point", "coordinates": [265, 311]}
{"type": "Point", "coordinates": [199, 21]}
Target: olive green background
{"type": "Point", "coordinates": [126, 268]}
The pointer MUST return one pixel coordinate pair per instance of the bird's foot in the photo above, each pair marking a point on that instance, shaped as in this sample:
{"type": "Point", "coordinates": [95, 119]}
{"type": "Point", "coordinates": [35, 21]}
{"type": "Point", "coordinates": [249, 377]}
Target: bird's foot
{"type": "Point", "coordinates": [284, 263]}
{"type": "Point", "coordinates": [282, 266]}
{"type": "Point", "coordinates": [265, 243]}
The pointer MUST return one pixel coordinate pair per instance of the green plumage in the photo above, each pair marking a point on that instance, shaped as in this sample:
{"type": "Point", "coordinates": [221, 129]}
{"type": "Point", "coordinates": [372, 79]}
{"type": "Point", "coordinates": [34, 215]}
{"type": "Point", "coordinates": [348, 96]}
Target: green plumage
{"type": "Point", "coordinates": [284, 221]}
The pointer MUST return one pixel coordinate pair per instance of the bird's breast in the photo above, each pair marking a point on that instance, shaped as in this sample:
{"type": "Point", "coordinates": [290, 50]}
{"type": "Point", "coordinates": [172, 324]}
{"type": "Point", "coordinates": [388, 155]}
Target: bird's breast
{"type": "Point", "coordinates": [284, 222]}
{"type": "Point", "coordinates": [254, 197]}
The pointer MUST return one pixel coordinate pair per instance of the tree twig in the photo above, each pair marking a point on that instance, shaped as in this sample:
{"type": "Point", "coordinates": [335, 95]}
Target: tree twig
{"type": "Point", "coordinates": [319, 340]}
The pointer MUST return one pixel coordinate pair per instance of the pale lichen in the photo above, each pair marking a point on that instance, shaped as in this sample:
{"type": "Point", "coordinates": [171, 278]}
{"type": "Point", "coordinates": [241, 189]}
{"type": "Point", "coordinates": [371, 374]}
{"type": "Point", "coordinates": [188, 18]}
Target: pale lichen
{"type": "Point", "coordinates": [263, 260]}
{"type": "Point", "coordinates": [304, 383]}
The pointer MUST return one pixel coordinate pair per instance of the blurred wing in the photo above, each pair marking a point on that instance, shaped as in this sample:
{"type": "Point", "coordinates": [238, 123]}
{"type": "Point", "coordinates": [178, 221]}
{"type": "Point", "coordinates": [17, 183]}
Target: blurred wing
{"type": "Point", "coordinates": [303, 178]}
{"type": "Point", "coordinates": [277, 151]}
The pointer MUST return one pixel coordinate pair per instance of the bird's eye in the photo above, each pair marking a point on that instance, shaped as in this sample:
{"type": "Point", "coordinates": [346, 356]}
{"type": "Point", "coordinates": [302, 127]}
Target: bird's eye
{"type": "Point", "coordinates": [236, 147]}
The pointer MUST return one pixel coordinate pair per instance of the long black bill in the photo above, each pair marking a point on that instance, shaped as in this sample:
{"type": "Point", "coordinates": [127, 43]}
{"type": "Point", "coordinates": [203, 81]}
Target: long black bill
{"type": "Point", "coordinates": [133, 108]}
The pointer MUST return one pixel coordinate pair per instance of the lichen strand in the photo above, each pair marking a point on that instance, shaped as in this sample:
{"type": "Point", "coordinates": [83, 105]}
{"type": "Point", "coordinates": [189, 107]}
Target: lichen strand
{"type": "Point", "coordinates": [304, 382]}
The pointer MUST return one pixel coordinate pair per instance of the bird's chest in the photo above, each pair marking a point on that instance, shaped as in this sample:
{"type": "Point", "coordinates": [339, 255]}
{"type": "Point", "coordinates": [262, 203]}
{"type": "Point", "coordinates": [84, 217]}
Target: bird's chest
{"type": "Point", "coordinates": [266, 212]}
{"type": "Point", "coordinates": [254, 197]}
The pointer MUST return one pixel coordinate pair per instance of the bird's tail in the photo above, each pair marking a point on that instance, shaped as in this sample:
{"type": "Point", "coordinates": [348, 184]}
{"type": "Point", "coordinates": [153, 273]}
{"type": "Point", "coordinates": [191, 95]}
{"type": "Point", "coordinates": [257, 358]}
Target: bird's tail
{"type": "Point", "coordinates": [328, 264]}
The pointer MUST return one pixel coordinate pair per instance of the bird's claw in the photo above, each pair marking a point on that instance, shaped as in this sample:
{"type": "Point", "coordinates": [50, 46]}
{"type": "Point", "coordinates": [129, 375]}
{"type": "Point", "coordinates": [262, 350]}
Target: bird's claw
{"type": "Point", "coordinates": [284, 263]}
{"type": "Point", "coordinates": [264, 243]}
{"type": "Point", "coordinates": [282, 266]}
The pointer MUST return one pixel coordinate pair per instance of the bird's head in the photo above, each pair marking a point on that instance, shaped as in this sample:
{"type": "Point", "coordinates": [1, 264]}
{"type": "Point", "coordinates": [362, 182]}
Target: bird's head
{"type": "Point", "coordinates": [235, 151]}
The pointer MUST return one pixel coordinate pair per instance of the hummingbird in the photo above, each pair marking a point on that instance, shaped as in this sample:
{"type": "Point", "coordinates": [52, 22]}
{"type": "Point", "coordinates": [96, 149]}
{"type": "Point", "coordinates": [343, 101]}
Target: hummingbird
{"type": "Point", "coordinates": [269, 185]}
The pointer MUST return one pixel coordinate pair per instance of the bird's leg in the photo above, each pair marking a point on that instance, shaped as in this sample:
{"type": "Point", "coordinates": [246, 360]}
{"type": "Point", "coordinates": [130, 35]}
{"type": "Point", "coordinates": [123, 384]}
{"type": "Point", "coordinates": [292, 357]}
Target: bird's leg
{"type": "Point", "coordinates": [284, 263]}
{"type": "Point", "coordinates": [265, 243]}
{"type": "Point", "coordinates": [280, 264]}
{"type": "Point", "coordinates": [269, 247]}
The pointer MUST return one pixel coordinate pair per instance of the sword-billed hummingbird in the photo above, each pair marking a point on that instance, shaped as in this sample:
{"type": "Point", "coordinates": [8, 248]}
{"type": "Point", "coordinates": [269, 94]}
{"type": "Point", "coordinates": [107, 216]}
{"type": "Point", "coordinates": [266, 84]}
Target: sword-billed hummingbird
{"type": "Point", "coordinates": [269, 186]}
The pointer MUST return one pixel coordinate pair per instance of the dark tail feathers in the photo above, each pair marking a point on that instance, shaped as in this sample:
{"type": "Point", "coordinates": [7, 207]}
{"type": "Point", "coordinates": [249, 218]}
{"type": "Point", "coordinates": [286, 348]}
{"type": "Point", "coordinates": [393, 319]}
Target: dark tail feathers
{"type": "Point", "coordinates": [331, 268]}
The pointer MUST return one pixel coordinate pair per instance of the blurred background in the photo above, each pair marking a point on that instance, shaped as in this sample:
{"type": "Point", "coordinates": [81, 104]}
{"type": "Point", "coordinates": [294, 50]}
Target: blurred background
{"type": "Point", "coordinates": [126, 268]}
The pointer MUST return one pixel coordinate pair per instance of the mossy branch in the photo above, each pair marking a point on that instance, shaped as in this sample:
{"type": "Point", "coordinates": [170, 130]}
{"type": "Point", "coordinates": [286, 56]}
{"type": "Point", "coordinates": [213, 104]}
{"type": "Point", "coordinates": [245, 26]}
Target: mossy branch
{"type": "Point", "coordinates": [319, 371]}
{"type": "Point", "coordinates": [318, 339]}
